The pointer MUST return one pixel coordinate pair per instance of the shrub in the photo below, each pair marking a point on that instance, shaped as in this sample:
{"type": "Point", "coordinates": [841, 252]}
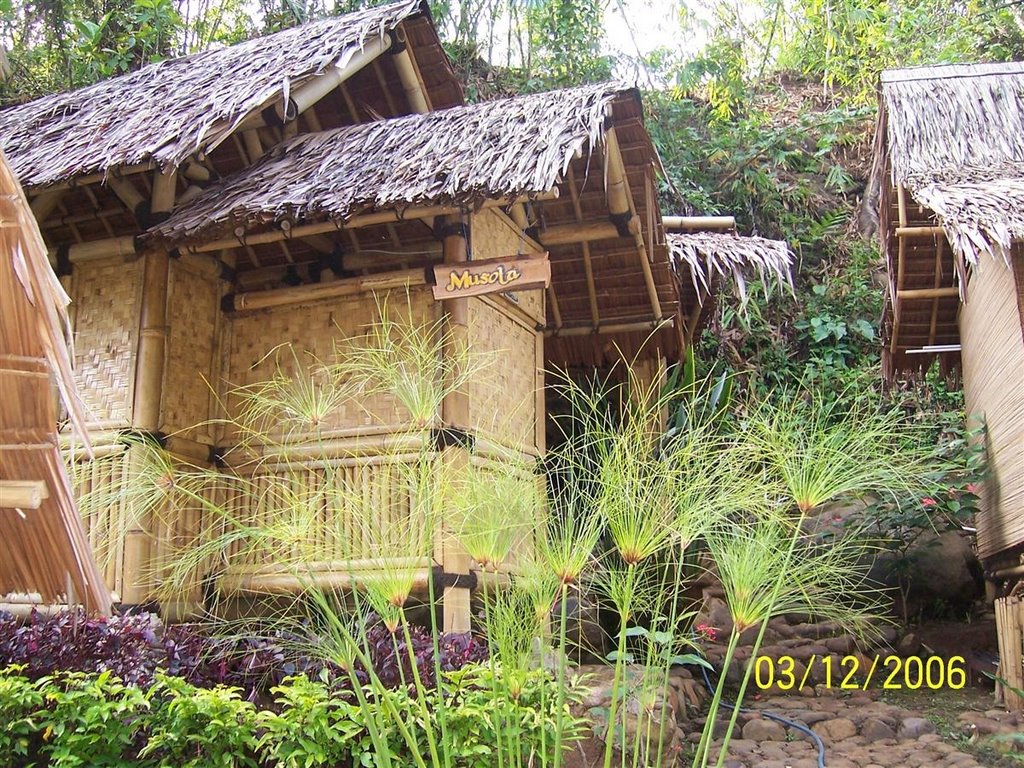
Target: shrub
{"type": "Point", "coordinates": [390, 654]}
{"type": "Point", "coordinates": [312, 727]}
{"type": "Point", "coordinates": [191, 727]}
{"type": "Point", "coordinates": [70, 641]}
{"type": "Point", "coordinates": [91, 720]}
{"type": "Point", "coordinates": [20, 701]}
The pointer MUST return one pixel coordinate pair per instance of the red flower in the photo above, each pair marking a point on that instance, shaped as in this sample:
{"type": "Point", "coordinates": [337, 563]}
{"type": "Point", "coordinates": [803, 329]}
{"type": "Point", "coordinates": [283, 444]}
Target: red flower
{"type": "Point", "coordinates": [707, 632]}
{"type": "Point", "coordinates": [929, 502]}
{"type": "Point", "coordinates": [972, 488]}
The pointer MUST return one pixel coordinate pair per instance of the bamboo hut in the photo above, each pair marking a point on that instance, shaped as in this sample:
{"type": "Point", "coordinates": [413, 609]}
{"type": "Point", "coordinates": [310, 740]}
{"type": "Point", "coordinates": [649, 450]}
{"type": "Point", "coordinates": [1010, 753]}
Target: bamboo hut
{"type": "Point", "coordinates": [289, 183]}
{"type": "Point", "coordinates": [45, 551]}
{"type": "Point", "coordinates": [951, 142]}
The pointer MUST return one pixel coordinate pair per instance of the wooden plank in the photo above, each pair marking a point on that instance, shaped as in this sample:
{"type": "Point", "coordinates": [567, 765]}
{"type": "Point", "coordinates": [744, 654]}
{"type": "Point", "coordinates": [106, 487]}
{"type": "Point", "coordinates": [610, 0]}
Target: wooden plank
{"type": "Point", "coordinates": [477, 278]}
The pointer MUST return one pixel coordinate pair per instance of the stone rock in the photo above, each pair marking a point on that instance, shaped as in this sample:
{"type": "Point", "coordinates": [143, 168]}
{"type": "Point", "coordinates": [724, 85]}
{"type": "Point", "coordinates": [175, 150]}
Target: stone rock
{"type": "Point", "coordinates": [715, 613]}
{"type": "Point", "coordinates": [836, 730]}
{"type": "Point", "coordinates": [913, 727]}
{"type": "Point", "coordinates": [843, 644]}
{"type": "Point", "coordinates": [943, 569]}
{"type": "Point", "coordinates": [874, 729]}
{"type": "Point", "coordinates": [764, 730]}
{"type": "Point", "coordinates": [908, 645]}
{"type": "Point", "coordinates": [586, 638]}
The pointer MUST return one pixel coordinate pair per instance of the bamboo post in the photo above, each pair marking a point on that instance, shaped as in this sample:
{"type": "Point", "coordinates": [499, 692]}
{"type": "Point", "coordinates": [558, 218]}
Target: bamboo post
{"type": "Point", "coordinates": [455, 414]}
{"type": "Point", "coordinates": [149, 374]}
{"type": "Point", "coordinates": [620, 203]}
{"type": "Point", "coordinates": [901, 202]}
{"type": "Point", "coordinates": [408, 73]}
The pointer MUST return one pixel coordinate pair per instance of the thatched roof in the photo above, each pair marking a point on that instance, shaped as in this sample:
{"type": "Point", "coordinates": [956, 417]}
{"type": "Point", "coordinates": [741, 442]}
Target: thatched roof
{"type": "Point", "coordinates": [708, 256]}
{"type": "Point", "coordinates": [460, 156]}
{"type": "Point", "coordinates": [951, 137]}
{"type": "Point", "coordinates": [45, 549]}
{"type": "Point", "coordinates": [165, 112]}
{"type": "Point", "coordinates": [956, 142]}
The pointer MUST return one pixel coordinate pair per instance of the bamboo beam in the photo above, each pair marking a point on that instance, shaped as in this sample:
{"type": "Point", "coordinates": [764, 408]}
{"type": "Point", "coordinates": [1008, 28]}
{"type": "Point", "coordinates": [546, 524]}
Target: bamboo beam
{"type": "Point", "coordinates": [92, 178]}
{"type": "Point", "coordinates": [924, 232]}
{"type": "Point", "coordinates": [556, 313]}
{"type": "Point", "coordinates": [126, 192]}
{"type": "Point", "coordinates": [356, 222]}
{"type": "Point", "coordinates": [588, 267]}
{"type": "Point", "coordinates": [80, 218]}
{"type": "Point", "coordinates": [313, 90]}
{"type": "Point", "coordinates": [586, 330]}
{"type": "Point", "coordinates": [292, 584]}
{"type": "Point", "coordinates": [253, 145]}
{"type": "Point", "coordinates": [46, 202]}
{"type": "Point", "coordinates": [455, 414]}
{"type": "Point", "coordinates": [280, 297]}
{"type": "Point", "coordinates": [939, 248]}
{"type": "Point", "coordinates": [570, 234]}
{"type": "Point", "coordinates": [620, 202]}
{"type": "Point", "coordinates": [928, 293]}
{"type": "Point", "coordinates": [22, 494]}
{"type": "Point", "coordinates": [697, 223]}
{"type": "Point", "coordinates": [408, 74]}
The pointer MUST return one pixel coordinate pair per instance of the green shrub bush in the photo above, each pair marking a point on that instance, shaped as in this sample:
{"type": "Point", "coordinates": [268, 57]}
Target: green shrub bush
{"type": "Point", "coordinates": [78, 719]}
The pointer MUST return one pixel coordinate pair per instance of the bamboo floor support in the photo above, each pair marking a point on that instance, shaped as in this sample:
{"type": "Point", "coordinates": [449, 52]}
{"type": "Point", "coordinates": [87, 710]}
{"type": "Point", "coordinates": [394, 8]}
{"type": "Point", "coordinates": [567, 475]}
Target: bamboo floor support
{"type": "Point", "coordinates": [1010, 632]}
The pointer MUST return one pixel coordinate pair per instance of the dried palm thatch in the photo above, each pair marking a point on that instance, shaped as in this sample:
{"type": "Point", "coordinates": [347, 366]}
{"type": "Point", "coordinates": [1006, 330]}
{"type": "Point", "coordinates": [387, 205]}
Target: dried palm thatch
{"type": "Point", "coordinates": [165, 112]}
{"type": "Point", "coordinates": [711, 255]}
{"type": "Point", "coordinates": [461, 156]}
{"type": "Point", "coordinates": [956, 142]}
{"type": "Point", "coordinates": [46, 551]}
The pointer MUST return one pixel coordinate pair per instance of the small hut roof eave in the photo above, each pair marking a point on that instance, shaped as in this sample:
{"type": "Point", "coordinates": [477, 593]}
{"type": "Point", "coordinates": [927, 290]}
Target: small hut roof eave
{"type": "Point", "coordinates": [954, 138]}
{"type": "Point", "coordinates": [951, 143]}
{"type": "Point", "coordinates": [462, 156]}
{"type": "Point", "coordinates": [708, 257]}
{"type": "Point", "coordinates": [166, 112]}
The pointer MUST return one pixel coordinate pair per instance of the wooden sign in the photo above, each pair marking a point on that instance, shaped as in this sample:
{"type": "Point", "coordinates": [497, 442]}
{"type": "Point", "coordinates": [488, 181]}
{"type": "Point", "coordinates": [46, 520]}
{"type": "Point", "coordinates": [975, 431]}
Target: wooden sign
{"type": "Point", "coordinates": [476, 278]}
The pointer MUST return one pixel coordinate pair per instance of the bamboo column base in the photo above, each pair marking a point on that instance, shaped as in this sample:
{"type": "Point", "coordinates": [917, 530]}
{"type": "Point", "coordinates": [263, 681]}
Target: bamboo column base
{"type": "Point", "coordinates": [1010, 632]}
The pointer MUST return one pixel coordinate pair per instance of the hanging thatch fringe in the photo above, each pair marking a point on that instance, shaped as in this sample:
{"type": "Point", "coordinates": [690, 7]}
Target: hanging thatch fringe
{"type": "Point", "coordinates": [956, 142]}
{"type": "Point", "coordinates": [167, 111]}
{"type": "Point", "coordinates": [710, 255]}
{"type": "Point", "coordinates": [459, 156]}
{"type": "Point", "coordinates": [45, 547]}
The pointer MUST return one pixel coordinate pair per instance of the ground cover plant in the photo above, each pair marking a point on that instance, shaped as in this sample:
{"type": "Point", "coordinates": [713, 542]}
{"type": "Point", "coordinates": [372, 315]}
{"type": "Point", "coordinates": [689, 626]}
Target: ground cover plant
{"type": "Point", "coordinates": [633, 507]}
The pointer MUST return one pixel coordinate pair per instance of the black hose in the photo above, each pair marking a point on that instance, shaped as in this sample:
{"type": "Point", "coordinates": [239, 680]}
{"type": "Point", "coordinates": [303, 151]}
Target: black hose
{"type": "Point", "coordinates": [770, 716]}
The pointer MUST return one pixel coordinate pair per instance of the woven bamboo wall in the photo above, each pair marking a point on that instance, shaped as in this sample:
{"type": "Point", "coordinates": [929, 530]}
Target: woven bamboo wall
{"type": "Point", "coordinates": [328, 510]}
{"type": "Point", "coordinates": [106, 299]}
{"type": "Point", "coordinates": [993, 368]}
{"type": "Point", "coordinates": [314, 331]}
{"type": "Point", "coordinates": [193, 319]}
{"type": "Point", "coordinates": [494, 235]}
{"type": "Point", "coordinates": [502, 398]}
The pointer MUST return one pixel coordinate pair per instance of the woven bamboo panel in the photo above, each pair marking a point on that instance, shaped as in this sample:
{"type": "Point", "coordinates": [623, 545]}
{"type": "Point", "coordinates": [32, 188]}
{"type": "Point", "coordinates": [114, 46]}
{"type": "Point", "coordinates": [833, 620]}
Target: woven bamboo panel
{"type": "Point", "coordinates": [97, 485]}
{"type": "Point", "coordinates": [493, 235]}
{"type": "Point", "coordinates": [993, 367]}
{"type": "Point", "coordinates": [106, 300]}
{"type": "Point", "coordinates": [192, 316]}
{"type": "Point", "coordinates": [260, 344]}
{"type": "Point", "coordinates": [328, 511]}
{"type": "Point", "coordinates": [502, 398]}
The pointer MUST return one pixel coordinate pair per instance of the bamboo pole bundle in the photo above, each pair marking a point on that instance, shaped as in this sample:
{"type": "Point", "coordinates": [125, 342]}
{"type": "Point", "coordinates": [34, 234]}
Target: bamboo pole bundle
{"type": "Point", "coordinates": [47, 551]}
{"type": "Point", "coordinates": [455, 414]}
